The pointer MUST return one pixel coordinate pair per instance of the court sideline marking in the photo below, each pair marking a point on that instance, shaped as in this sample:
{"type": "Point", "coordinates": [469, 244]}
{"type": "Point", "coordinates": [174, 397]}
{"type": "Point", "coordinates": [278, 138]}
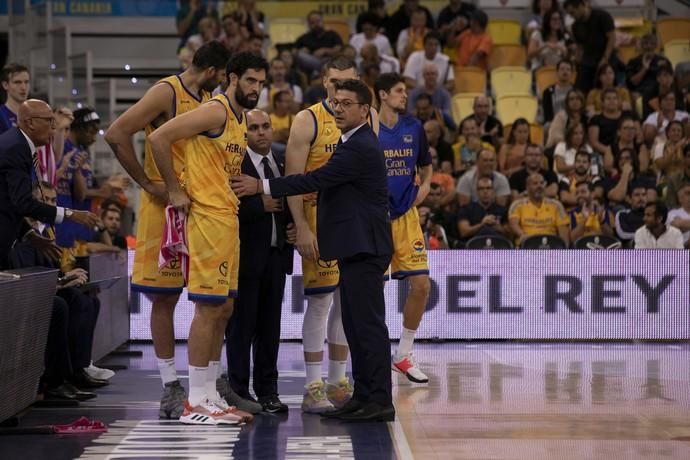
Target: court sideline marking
{"type": "Point", "coordinates": [400, 440]}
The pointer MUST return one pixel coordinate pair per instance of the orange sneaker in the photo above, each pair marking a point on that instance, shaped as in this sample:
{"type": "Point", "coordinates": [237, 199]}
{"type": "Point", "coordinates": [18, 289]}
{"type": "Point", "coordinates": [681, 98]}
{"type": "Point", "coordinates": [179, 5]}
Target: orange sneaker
{"type": "Point", "coordinates": [221, 404]}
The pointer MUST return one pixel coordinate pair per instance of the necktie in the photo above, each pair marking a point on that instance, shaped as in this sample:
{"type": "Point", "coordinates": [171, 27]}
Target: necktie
{"type": "Point", "coordinates": [268, 174]}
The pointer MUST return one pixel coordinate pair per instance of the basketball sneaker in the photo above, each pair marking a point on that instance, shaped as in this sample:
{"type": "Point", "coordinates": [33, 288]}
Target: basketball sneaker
{"type": "Point", "coordinates": [244, 417]}
{"type": "Point", "coordinates": [172, 402]}
{"type": "Point", "coordinates": [339, 393]}
{"type": "Point", "coordinates": [409, 368]}
{"type": "Point", "coordinates": [207, 413]}
{"type": "Point", "coordinates": [98, 373]}
{"type": "Point", "coordinates": [315, 400]}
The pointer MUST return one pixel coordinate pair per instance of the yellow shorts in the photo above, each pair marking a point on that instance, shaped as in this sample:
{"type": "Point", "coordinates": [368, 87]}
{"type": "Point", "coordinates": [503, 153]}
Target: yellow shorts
{"type": "Point", "coordinates": [322, 276]}
{"type": "Point", "coordinates": [145, 275]}
{"type": "Point", "coordinates": [409, 250]}
{"type": "Point", "coordinates": [214, 257]}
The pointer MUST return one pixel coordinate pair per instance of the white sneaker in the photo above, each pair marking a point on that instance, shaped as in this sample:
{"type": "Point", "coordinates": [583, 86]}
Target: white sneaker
{"type": "Point", "coordinates": [207, 413]}
{"type": "Point", "coordinates": [408, 366]}
{"type": "Point", "coordinates": [221, 404]}
{"type": "Point", "coordinates": [98, 373]}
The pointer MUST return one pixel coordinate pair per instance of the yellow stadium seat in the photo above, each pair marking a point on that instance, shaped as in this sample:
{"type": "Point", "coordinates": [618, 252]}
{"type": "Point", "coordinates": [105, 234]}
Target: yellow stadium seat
{"type": "Point", "coordinates": [469, 80]}
{"type": "Point", "coordinates": [507, 55]}
{"type": "Point", "coordinates": [677, 51]}
{"type": "Point", "coordinates": [340, 26]}
{"type": "Point", "coordinates": [504, 31]}
{"type": "Point", "coordinates": [545, 77]}
{"type": "Point", "coordinates": [462, 104]}
{"type": "Point", "coordinates": [626, 53]}
{"type": "Point", "coordinates": [672, 28]}
{"type": "Point", "coordinates": [286, 30]}
{"type": "Point", "coordinates": [511, 80]}
{"type": "Point", "coordinates": [510, 108]}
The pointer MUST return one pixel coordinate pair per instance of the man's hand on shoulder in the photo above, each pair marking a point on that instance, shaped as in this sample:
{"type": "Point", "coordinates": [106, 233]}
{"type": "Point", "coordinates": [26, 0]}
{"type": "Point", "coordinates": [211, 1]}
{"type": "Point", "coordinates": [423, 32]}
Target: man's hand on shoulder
{"type": "Point", "coordinates": [246, 185]}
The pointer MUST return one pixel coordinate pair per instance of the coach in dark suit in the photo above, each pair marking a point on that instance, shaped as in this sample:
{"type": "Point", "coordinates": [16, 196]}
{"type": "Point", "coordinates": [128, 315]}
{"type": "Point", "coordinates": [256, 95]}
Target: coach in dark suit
{"type": "Point", "coordinates": [36, 125]}
{"type": "Point", "coordinates": [265, 258]}
{"type": "Point", "coordinates": [353, 227]}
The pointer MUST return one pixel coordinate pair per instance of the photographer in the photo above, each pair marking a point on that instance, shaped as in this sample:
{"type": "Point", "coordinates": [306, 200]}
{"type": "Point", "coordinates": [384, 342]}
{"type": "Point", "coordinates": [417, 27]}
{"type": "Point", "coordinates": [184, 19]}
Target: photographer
{"type": "Point", "coordinates": [434, 234]}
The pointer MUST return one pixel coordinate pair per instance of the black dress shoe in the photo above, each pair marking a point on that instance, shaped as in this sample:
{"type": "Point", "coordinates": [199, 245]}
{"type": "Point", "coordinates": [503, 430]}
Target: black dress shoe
{"type": "Point", "coordinates": [273, 405]}
{"type": "Point", "coordinates": [371, 412]}
{"type": "Point", "coordinates": [81, 379]}
{"type": "Point", "coordinates": [61, 393]}
{"type": "Point", "coordinates": [81, 395]}
{"type": "Point", "coordinates": [352, 406]}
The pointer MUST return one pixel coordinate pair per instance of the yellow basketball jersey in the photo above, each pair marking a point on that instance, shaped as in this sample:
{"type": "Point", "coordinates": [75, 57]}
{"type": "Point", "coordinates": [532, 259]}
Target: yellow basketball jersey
{"type": "Point", "coordinates": [326, 136]}
{"type": "Point", "coordinates": [212, 160]}
{"type": "Point", "coordinates": [183, 101]}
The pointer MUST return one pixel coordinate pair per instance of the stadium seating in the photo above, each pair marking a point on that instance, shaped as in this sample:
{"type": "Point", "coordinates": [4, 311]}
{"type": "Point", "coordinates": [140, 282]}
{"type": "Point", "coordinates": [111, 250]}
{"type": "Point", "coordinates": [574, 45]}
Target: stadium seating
{"type": "Point", "coordinates": [668, 28]}
{"type": "Point", "coordinates": [597, 242]}
{"type": "Point", "coordinates": [504, 31]}
{"type": "Point", "coordinates": [489, 242]}
{"type": "Point", "coordinates": [507, 55]}
{"type": "Point", "coordinates": [543, 242]}
{"type": "Point", "coordinates": [461, 105]}
{"type": "Point", "coordinates": [544, 77]}
{"type": "Point", "coordinates": [286, 30]}
{"type": "Point", "coordinates": [469, 80]}
{"type": "Point", "coordinates": [677, 51]}
{"type": "Point", "coordinates": [342, 27]}
{"type": "Point", "coordinates": [511, 81]}
{"type": "Point", "coordinates": [510, 108]}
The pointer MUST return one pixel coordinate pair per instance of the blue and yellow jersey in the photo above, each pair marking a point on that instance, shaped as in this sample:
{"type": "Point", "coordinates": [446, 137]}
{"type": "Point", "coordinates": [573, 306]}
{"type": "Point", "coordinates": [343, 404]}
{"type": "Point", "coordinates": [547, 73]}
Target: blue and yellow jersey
{"type": "Point", "coordinates": [183, 101]}
{"type": "Point", "coordinates": [405, 148]}
{"type": "Point", "coordinates": [211, 160]}
{"type": "Point", "coordinates": [539, 220]}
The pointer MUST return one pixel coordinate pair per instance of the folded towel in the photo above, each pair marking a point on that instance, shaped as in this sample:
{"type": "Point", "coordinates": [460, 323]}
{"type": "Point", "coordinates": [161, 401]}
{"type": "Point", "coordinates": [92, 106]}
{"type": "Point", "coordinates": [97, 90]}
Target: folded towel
{"type": "Point", "coordinates": [174, 241]}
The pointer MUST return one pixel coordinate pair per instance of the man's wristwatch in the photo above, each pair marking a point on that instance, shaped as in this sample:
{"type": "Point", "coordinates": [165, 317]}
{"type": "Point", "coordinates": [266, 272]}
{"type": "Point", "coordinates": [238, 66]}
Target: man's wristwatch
{"type": "Point", "coordinates": [68, 213]}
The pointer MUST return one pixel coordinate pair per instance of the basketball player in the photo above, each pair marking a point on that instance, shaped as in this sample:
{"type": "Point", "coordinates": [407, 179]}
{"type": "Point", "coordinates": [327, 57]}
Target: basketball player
{"type": "Point", "coordinates": [216, 134]}
{"type": "Point", "coordinates": [404, 144]}
{"type": "Point", "coordinates": [312, 141]}
{"type": "Point", "coordinates": [168, 98]}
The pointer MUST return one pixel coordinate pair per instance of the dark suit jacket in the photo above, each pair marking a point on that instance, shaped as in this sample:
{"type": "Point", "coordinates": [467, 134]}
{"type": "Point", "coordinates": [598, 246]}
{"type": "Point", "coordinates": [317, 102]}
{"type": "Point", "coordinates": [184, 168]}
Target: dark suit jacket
{"type": "Point", "coordinates": [352, 212]}
{"type": "Point", "coordinates": [256, 227]}
{"type": "Point", "coordinates": [16, 200]}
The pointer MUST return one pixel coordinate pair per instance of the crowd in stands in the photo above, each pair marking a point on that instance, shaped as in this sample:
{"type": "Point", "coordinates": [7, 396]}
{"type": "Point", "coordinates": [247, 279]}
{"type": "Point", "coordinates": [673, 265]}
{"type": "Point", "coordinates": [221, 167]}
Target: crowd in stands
{"type": "Point", "coordinates": [605, 127]}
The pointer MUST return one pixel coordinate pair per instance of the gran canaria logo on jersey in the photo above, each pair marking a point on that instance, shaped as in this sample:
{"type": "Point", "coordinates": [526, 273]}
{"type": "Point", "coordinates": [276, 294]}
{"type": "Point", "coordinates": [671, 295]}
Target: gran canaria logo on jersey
{"type": "Point", "coordinates": [396, 163]}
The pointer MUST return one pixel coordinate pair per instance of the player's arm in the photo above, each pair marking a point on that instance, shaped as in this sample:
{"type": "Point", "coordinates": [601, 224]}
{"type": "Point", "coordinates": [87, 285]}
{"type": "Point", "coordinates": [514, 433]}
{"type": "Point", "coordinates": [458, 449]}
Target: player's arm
{"type": "Point", "coordinates": [155, 102]}
{"type": "Point", "coordinates": [209, 118]}
{"type": "Point", "coordinates": [374, 116]}
{"type": "Point", "coordinates": [425, 173]}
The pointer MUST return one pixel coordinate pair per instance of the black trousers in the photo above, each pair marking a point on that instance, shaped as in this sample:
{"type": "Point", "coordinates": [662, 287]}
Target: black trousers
{"type": "Point", "coordinates": [254, 330]}
{"type": "Point", "coordinates": [364, 322]}
{"type": "Point", "coordinates": [58, 364]}
{"type": "Point", "coordinates": [84, 310]}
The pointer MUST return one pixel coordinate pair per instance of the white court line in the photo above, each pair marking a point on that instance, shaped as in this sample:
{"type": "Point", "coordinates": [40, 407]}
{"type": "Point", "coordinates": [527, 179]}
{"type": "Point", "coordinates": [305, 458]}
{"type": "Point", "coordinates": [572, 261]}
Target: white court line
{"type": "Point", "coordinates": [400, 440]}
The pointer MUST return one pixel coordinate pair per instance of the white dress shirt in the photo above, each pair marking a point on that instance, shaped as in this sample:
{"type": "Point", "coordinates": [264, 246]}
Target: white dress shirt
{"type": "Point", "coordinates": [672, 238]}
{"type": "Point", "coordinates": [60, 214]}
{"type": "Point", "coordinates": [257, 159]}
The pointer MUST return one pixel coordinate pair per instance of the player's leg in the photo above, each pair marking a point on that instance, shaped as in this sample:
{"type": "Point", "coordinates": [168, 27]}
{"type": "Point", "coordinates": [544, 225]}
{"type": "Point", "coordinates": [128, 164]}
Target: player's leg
{"type": "Point", "coordinates": [338, 387]}
{"type": "Point", "coordinates": [313, 337]}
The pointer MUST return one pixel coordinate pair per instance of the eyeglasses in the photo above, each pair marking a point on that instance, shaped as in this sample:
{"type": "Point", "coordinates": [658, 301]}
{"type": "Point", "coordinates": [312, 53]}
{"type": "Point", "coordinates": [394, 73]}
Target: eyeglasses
{"type": "Point", "coordinates": [346, 104]}
{"type": "Point", "coordinates": [51, 120]}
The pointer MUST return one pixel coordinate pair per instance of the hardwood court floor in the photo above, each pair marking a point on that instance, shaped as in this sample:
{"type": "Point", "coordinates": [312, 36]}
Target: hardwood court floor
{"type": "Point", "coordinates": [484, 401]}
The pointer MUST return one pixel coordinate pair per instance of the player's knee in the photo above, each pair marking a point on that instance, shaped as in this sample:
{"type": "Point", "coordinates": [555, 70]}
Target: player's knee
{"type": "Point", "coordinates": [420, 285]}
{"type": "Point", "coordinates": [318, 305]}
{"type": "Point", "coordinates": [225, 310]}
{"type": "Point", "coordinates": [163, 303]}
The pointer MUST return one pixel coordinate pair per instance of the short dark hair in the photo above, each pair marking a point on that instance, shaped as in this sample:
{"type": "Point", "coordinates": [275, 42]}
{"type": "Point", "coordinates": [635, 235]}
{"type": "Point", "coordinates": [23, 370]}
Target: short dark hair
{"type": "Point", "coordinates": [532, 145]}
{"type": "Point", "coordinates": [573, 3]}
{"type": "Point", "coordinates": [564, 61]}
{"type": "Point", "coordinates": [340, 62]}
{"type": "Point", "coordinates": [636, 184]}
{"type": "Point", "coordinates": [660, 209]}
{"type": "Point", "coordinates": [481, 17]}
{"type": "Point", "coordinates": [583, 153]}
{"type": "Point", "coordinates": [424, 97]}
{"type": "Point", "coordinates": [486, 177]}
{"type": "Point", "coordinates": [608, 91]}
{"type": "Point", "coordinates": [211, 54]}
{"type": "Point", "coordinates": [241, 62]}
{"type": "Point", "coordinates": [11, 69]}
{"type": "Point", "coordinates": [589, 185]}
{"type": "Point", "coordinates": [432, 35]}
{"type": "Point", "coordinates": [278, 95]}
{"type": "Point", "coordinates": [356, 86]}
{"type": "Point", "coordinates": [369, 17]}
{"type": "Point", "coordinates": [386, 82]}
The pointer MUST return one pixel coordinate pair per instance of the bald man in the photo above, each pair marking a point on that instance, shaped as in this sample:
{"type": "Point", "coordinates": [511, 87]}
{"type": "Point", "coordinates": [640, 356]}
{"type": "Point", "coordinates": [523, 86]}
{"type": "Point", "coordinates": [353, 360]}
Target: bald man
{"type": "Point", "coordinates": [265, 258]}
{"type": "Point", "coordinates": [36, 126]}
{"type": "Point", "coordinates": [440, 97]}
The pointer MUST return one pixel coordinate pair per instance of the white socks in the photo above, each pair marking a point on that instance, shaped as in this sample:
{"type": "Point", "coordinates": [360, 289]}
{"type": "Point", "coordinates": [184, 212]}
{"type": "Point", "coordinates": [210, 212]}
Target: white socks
{"type": "Point", "coordinates": [313, 371]}
{"type": "Point", "coordinates": [336, 371]}
{"type": "Point", "coordinates": [211, 376]}
{"type": "Point", "coordinates": [406, 341]}
{"type": "Point", "coordinates": [167, 370]}
{"type": "Point", "coordinates": [197, 385]}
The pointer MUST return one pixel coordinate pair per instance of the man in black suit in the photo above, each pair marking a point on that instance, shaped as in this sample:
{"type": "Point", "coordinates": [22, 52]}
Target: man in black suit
{"type": "Point", "coordinates": [36, 125]}
{"type": "Point", "coordinates": [354, 228]}
{"type": "Point", "coordinates": [265, 258]}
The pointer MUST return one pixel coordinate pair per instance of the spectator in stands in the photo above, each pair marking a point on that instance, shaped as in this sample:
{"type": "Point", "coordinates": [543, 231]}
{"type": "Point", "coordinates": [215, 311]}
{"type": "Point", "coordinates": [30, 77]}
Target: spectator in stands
{"type": "Point", "coordinates": [255, 45]}
{"type": "Point", "coordinates": [564, 154]}
{"type": "Point", "coordinates": [603, 128]}
{"type": "Point", "coordinates": [444, 152]}
{"type": "Point", "coordinates": [641, 70]}
{"type": "Point", "coordinates": [548, 44]}
{"type": "Point", "coordinates": [453, 17]}
{"type": "Point", "coordinates": [434, 233]}
{"type": "Point", "coordinates": [594, 33]}
{"type": "Point", "coordinates": [250, 19]}
{"type": "Point", "coordinates": [281, 120]}
{"type": "Point", "coordinates": [369, 55]}
{"type": "Point", "coordinates": [665, 83]}
{"type": "Point", "coordinates": [589, 217]}
{"type": "Point", "coordinates": [554, 98]}
{"type": "Point", "coordinates": [16, 82]}
{"type": "Point", "coordinates": [469, 145]}
{"type": "Point", "coordinates": [490, 127]}
{"type": "Point", "coordinates": [655, 234]}
{"type": "Point", "coordinates": [440, 97]}
{"type": "Point", "coordinates": [572, 114]}
{"type": "Point", "coordinates": [483, 217]}
{"type": "Point", "coordinates": [378, 8]}
{"type": "Point", "coordinates": [400, 20]}
{"type": "Point", "coordinates": [189, 15]}
{"type": "Point", "coordinates": [626, 138]}
{"type": "Point", "coordinates": [680, 217]}
{"type": "Point", "coordinates": [473, 44]}
{"type": "Point", "coordinates": [209, 30]}
{"type": "Point", "coordinates": [444, 180]}
{"type": "Point", "coordinates": [539, 10]}
{"type": "Point", "coordinates": [111, 216]}
{"type": "Point", "coordinates": [277, 81]}
{"type": "Point", "coordinates": [486, 167]}
{"type": "Point", "coordinates": [442, 207]}
{"type": "Point", "coordinates": [316, 46]}
{"type": "Point", "coordinates": [511, 156]}
{"type": "Point", "coordinates": [675, 183]}
{"type": "Point", "coordinates": [424, 111]}
{"type": "Point", "coordinates": [63, 124]}
{"type": "Point", "coordinates": [606, 79]}
{"type": "Point", "coordinates": [231, 37]}
{"type": "Point", "coordinates": [411, 39]}
{"type": "Point", "coordinates": [370, 26]}
{"type": "Point", "coordinates": [656, 123]}
{"type": "Point", "coordinates": [431, 54]}
{"type": "Point", "coordinates": [534, 163]}
{"type": "Point", "coordinates": [536, 214]}
{"type": "Point", "coordinates": [294, 75]}
{"type": "Point", "coordinates": [567, 186]}
{"type": "Point", "coordinates": [624, 177]}
{"type": "Point", "coordinates": [668, 154]}
{"type": "Point", "coordinates": [630, 219]}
